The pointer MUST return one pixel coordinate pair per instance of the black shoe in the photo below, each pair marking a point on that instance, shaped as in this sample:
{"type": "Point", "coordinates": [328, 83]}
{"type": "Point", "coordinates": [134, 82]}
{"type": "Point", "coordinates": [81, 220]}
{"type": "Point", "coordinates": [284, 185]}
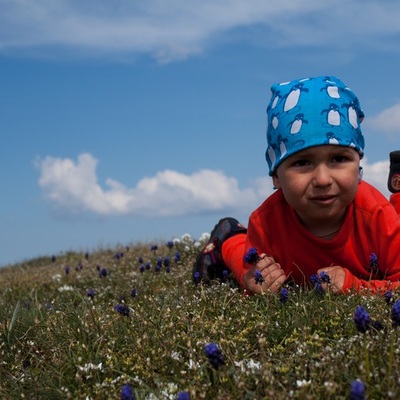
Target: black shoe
{"type": "Point", "coordinates": [394, 172]}
{"type": "Point", "coordinates": [209, 265]}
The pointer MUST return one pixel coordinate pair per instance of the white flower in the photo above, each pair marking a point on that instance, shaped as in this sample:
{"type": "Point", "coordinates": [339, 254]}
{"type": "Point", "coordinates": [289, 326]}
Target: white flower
{"type": "Point", "coordinates": [65, 288]}
{"type": "Point", "coordinates": [303, 382]}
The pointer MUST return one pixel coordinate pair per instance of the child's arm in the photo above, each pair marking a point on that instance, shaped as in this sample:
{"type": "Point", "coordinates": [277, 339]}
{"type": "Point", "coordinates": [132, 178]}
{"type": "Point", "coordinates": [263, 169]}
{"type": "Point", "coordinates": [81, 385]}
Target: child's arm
{"type": "Point", "coordinates": [342, 281]}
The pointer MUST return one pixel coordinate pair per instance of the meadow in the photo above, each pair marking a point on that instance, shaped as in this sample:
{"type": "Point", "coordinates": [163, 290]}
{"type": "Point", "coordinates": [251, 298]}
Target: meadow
{"type": "Point", "coordinates": [128, 322]}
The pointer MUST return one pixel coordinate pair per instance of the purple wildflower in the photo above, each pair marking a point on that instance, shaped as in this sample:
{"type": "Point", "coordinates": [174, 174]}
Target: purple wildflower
{"type": "Point", "coordinates": [170, 244]}
{"type": "Point", "coordinates": [53, 258]}
{"type": "Point", "coordinates": [159, 261]}
{"type": "Point", "coordinates": [314, 279]}
{"type": "Point", "coordinates": [141, 268]}
{"type": "Point", "coordinates": [214, 355]}
{"type": "Point", "coordinates": [324, 277]}
{"type": "Point", "coordinates": [90, 293]}
{"type": "Point", "coordinates": [87, 255]}
{"type": "Point", "coordinates": [373, 261]}
{"type": "Point", "coordinates": [157, 268]}
{"type": "Point", "coordinates": [122, 309]}
{"type": "Point", "coordinates": [140, 260]}
{"type": "Point", "coordinates": [284, 295]}
{"type": "Point", "coordinates": [225, 273]}
{"type": "Point", "coordinates": [357, 390]}
{"type": "Point", "coordinates": [103, 272]}
{"type": "Point", "coordinates": [183, 396]}
{"type": "Point", "coordinates": [168, 270]}
{"type": "Point", "coordinates": [67, 269]}
{"type": "Point", "coordinates": [166, 261]}
{"type": "Point", "coordinates": [396, 313]}
{"type": "Point", "coordinates": [153, 248]}
{"type": "Point", "coordinates": [118, 255]}
{"type": "Point", "coordinates": [258, 277]}
{"type": "Point", "coordinates": [127, 393]}
{"type": "Point", "coordinates": [177, 257]}
{"type": "Point", "coordinates": [388, 296]}
{"type": "Point", "coordinates": [133, 292]}
{"type": "Point", "coordinates": [252, 256]}
{"type": "Point", "coordinates": [362, 319]}
{"type": "Point", "coordinates": [148, 265]}
{"type": "Point", "coordinates": [196, 277]}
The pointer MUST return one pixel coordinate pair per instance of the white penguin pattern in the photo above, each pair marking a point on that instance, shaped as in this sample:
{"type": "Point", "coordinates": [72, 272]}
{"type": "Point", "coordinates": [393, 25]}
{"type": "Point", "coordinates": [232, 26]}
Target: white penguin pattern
{"type": "Point", "coordinates": [353, 117]}
{"type": "Point", "coordinates": [333, 117]}
{"type": "Point", "coordinates": [292, 99]}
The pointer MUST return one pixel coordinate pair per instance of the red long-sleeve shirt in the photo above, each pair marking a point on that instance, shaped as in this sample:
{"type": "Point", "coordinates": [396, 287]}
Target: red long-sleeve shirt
{"type": "Point", "coordinates": [371, 225]}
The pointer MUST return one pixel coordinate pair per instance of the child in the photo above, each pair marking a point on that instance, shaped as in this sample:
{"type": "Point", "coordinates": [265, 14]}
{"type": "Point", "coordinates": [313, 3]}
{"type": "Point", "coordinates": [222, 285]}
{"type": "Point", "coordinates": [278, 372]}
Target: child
{"type": "Point", "coordinates": [323, 219]}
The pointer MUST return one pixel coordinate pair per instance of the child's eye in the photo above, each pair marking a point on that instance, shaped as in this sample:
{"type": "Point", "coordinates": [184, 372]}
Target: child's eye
{"type": "Point", "coordinates": [339, 159]}
{"type": "Point", "coordinates": [301, 163]}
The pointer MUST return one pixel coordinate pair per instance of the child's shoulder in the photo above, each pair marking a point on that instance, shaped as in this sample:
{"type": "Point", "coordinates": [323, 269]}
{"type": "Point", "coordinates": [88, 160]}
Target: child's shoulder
{"type": "Point", "coordinates": [369, 197]}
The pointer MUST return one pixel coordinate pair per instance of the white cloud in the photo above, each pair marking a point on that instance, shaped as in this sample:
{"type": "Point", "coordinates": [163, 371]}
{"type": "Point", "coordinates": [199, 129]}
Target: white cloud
{"type": "Point", "coordinates": [387, 122]}
{"type": "Point", "coordinates": [377, 175]}
{"type": "Point", "coordinates": [174, 29]}
{"type": "Point", "coordinates": [73, 186]}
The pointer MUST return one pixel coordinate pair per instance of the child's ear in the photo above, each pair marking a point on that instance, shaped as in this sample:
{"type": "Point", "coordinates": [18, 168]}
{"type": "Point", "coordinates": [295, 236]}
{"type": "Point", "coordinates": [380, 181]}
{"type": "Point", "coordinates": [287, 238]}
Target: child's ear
{"type": "Point", "coordinates": [276, 182]}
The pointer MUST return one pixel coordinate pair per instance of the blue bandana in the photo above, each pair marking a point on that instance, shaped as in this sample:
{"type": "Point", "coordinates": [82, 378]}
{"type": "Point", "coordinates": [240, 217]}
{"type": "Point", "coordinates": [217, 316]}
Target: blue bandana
{"type": "Point", "coordinates": [311, 112]}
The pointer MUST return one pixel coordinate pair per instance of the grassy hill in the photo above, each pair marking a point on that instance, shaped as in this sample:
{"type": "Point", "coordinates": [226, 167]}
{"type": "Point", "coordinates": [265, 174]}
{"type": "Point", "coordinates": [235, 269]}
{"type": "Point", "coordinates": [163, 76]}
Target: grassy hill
{"type": "Point", "coordinates": [129, 323]}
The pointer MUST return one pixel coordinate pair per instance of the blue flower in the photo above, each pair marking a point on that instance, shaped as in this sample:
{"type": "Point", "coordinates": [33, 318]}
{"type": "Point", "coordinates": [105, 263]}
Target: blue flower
{"type": "Point", "coordinates": [53, 258]}
{"type": "Point", "coordinates": [159, 261]}
{"type": "Point", "coordinates": [318, 279]}
{"type": "Point", "coordinates": [225, 273]}
{"type": "Point", "coordinates": [133, 292]}
{"type": "Point", "coordinates": [258, 277]}
{"type": "Point", "coordinates": [127, 393]}
{"type": "Point", "coordinates": [141, 268]}
{"type": "Point", "coordinates": [324, 277]}
{"type": "Point", "coordinates": [122, 309]}
{"type": "Point", "coordinates": [196, 276]}
{"type": "Point", "coordinates": [362, 319]}
{"type": "Point", "coordinates": [157, 268]}
{"type": "Point", "coordinates": [103, 272]}
{"type": "Point", "coordinates": [166, 261]}
{"type": "Point", "coordinates": [67, 269]}
{"type": "Point", "coordinates": [251, 257]}
{"type": "Point", "coordinates": [396, 313]}
{"type": "Point", "coordinates": [170, 244]}
{"type": "Point", "coordinates": [140, 260]}
{"type": "Point", "coordinates": [153, 248]}
{"type": "Point", "coordinates": [214, 355]}
{"type": "Point", "coordinates": [118, 255]}
{"type": "Point", "coordinates": [177, 257]}
{"type": "Point", "coordinates": [183, 396]}
{"type": "Point", "coordinates": [314, 279]}
{"type": "Point", "coordinates": [357, 390]}
{"type": "Point", "coordinates": [284, 295]}
{"type": "Point", "coordinates": [373, 261]}
{"type": "Point", "coordinates": [388, 296]}
{"type": "Point", "coordinates": [90, 293]}
{"type": "Point", "coordinates": [148, 265]}
{"type": "Point", "coordinates": [87, 255]}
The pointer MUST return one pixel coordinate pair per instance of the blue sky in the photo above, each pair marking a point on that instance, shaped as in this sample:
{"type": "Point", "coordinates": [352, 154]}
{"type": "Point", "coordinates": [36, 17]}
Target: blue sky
{"type": "Point", "coordinates": [131, 121]}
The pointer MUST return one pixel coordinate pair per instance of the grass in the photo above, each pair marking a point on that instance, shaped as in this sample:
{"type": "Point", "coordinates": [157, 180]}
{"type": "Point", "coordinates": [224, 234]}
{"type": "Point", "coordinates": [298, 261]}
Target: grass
{"type": "Point", "coordinates": [57, 342]}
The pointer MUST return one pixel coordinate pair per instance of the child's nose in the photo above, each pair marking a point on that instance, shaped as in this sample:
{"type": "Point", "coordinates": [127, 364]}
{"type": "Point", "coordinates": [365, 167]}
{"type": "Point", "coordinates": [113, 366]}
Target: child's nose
{"type": "Point", "coordinates": [322, 175]}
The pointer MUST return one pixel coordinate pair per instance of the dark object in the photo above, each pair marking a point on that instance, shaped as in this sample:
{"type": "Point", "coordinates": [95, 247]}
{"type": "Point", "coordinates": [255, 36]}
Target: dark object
{"type": "Point", "coordinates": [394, 172]}
{"type": "Point", "coordinates": [208, 265]}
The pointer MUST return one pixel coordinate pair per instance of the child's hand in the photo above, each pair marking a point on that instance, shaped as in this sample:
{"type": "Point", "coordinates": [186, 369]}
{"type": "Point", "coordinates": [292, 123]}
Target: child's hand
{"type": "Point", "coordinates": [272, 274]}
{"type": "Point", "coordinates": [337, 276]}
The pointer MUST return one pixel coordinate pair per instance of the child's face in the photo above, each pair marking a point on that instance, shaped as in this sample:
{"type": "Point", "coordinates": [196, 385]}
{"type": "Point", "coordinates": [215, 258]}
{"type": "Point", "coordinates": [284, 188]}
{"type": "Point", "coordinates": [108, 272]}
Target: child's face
{"type": "Point", "coordinates": [319, 183]}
